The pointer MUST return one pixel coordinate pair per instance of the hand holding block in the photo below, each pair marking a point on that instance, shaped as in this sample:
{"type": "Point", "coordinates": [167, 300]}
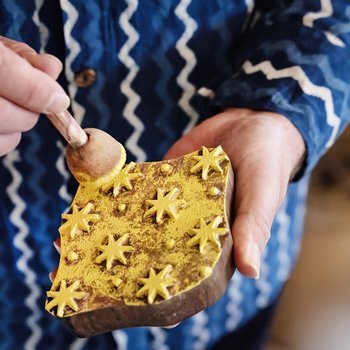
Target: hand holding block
{"type": "Point", "coordinates": [145, 244]}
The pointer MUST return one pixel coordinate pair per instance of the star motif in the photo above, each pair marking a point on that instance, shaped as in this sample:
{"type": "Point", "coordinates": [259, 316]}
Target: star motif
{"type": "Point", "coordinates": [79, 220]}
{"type": "Point", "coordinates": [122, 179]}
{"type": "Point", "coordinates": [206, 233]}
{"type": "Point", "coordinates": [156, 284]}
{"type": "Point", "coordinates": [64, 297]}
{"type": "Point", "coordinates": [114, 250]}
{"type": "Point", "coordinates": [164, 204]}
{"type": "Point", "coordinates": [208, 160]}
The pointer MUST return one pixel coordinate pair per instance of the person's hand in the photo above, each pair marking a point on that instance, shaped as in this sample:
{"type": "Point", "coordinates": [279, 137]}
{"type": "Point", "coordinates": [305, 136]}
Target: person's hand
{"type": "Point", "coordinates": [27, 88]}
{"type": "Point", "coordinates": [265, 151]}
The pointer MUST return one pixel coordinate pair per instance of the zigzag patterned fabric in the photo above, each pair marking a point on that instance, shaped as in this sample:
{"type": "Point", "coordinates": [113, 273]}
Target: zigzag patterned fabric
{"type": "Point", "coordinates": [163, 66]}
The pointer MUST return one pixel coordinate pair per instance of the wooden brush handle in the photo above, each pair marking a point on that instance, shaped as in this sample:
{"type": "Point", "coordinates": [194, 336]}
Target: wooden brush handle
{"type": "Point", "coordinates": [69, 128]}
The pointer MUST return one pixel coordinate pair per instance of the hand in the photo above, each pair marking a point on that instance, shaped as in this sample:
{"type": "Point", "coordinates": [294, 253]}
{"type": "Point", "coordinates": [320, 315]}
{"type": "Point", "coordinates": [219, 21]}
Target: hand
{"type": "Point", "coordinates": [265, 150]}
{"type": "Point", "coordinates": [27, 88]}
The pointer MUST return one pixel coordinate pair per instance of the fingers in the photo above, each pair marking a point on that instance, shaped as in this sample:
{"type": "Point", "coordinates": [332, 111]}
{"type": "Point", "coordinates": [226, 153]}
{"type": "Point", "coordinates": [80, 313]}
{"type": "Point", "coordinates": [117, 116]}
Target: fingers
{"type": "Point", "coordinates": [263, 149]}
{"type": "Point", "coordinates": [29, 87]}
{"type": "Point", "coordinates": [9, 142]}
{"type": "Point", "coordinates": [49, 64]}
{"type": "Point", "coordinates": [24, 120]}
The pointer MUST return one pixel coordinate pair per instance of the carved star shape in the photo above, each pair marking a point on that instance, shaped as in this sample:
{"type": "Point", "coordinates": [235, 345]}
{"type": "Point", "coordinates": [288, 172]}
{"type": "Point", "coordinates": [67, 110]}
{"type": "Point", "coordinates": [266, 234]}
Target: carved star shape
{"type": "Point", "coordinates": [156, 284]}
{"type": "Point", "coordinates": [64, 297]}
{"type": "Point", "coordinates": [79, 220]}
{"type": "Point", "coordinates": [122, 179]}
{"type": "Point", "coordinates": [206, 233]}
{"type": "Point", "coordinates": [114, 250]}
{"type": "Point", "coordinates": [164, 204]}
{"type": "Point", "coordinates": [208, 160]}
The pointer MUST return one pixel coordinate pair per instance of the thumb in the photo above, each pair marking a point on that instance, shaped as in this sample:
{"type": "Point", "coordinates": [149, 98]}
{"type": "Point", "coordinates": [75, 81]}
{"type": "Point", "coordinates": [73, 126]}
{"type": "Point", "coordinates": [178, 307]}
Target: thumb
{"type": "Point", "coordinates": [260, 188]}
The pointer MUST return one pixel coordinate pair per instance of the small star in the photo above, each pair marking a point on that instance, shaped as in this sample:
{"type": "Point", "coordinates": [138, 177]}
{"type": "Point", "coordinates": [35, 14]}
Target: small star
{"type": "Point", "coordinates": [164, 204]}
{"type": "Point", "coordinates": [79, 221]}
{"type": "Point", "coordinates": [64, 297]}
{"type": "Point", "coordinates": [114, 250]}
{"type": "Point", "coordinates": [156, 284]}
{"type": "Point", "coordinates": [122, 179]}
{"type": "Point", "coordinates": [206, 233]}
{"type": "Point", "coordinates": [208, 160]}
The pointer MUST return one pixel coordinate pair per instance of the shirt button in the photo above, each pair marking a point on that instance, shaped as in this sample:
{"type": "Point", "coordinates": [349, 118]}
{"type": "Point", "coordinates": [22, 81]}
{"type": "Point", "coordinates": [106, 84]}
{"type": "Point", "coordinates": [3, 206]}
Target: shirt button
{"type": "Point", "coordinates": [85, 77]}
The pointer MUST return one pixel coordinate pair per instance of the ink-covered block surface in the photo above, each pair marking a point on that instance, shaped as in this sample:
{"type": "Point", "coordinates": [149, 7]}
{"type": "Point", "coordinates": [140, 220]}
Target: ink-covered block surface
{"type": "Point", "coordinates": [147, 245]}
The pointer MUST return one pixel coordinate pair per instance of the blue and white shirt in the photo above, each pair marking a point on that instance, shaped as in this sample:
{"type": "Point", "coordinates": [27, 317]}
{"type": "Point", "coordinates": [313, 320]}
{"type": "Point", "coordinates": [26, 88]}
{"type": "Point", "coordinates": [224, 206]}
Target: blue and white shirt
{"type": "Point", "coordinates": [162, 67]}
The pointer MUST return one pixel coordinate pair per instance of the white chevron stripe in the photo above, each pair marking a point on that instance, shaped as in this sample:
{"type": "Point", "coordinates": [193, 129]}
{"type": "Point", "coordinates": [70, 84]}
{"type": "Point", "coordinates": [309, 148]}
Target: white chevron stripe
{"type": "Point", "coordinates": [199, 330]}
{"type": "Point", "coordinates": [283, 221]}
{"type": "Point", "coordinates": [78, 344]}
{"type": "Point", "coordinates": [325, 11]}
{"type": "Point", "coordinates": [74, 49]}
{"type": "Point", "coordinates": [262, 284]}
{"type": "Point", "coordinates": [188, 55]}
{"type": "Point", "coordinates": [121, 339]}
{"type": "Point", "coordinates": [26, 253]}
{"type": "Point", "coordinates": [250, 5]}
{"type": "Point", "coordinates": [159, 335]}
{"type": "Point", "coordinates": [132, 96]}
{"type": "Point", "coordinates": [307, 87]}
{"type": "Point", "coordinates": [334, 40]}
{"type": "Point", "coordinates": [44, 32]}
{"type": "Point", "coordinates": [60, 165]}
{"type": "Point", "coordinates": [233, 307]}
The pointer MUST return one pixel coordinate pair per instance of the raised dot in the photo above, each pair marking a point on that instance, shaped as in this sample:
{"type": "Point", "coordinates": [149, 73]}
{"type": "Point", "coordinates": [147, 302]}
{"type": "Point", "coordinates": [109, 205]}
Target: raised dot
{"type": "Point", "coordinates": [214, 191]}
{"type": "Point", "coordinates": [166, 168]}
{"type": "Point", "coordinates": [205, 271]}
{"type": "Point", "coordinates": [170, 244]}
{"type": "Point", "coordinates": [117, 281]}
{"type": "Point", "coordinates": [72, 256]}
{"type": "Point", "coordinates": [121, 207]}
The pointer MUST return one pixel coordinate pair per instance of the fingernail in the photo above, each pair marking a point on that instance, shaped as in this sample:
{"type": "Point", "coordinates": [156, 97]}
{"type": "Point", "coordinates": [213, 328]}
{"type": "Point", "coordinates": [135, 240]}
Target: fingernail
{"type": "Point", "coordinates": [58, 102]}
{"type": "Point", "coordinates": [58, 61]}
{"type": "Point", "coordinates": [172, 326]}
{"type": "Point", "coordinates": [54, 58]}
{"type": "Point", "coordinates": [52, 275]}
{"type": "Point", "coordinates": [254, 260]}
{"type": "Point", "coordinates": [57, 245]}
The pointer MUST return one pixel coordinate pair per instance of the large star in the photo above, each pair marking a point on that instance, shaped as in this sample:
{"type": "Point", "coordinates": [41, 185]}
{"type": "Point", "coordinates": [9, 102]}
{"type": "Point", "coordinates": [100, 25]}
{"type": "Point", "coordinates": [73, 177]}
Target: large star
{"type": "Point", "coordinates": [114, 250]}
{"type": "Point", "coordinates": [122, 179]}
{"type": "Point", "coordinates": [208, 160]}
{"type": "Point", "coordinates": [79, 220]}
{"type": "Point", "coordinates": [206, 233]}
{"type": "Point", "coordinates": [64, 297]}
{"type": "Point", "coordinates": [164, 204]}
{"type": "Point", "coordinates": [156, 284]}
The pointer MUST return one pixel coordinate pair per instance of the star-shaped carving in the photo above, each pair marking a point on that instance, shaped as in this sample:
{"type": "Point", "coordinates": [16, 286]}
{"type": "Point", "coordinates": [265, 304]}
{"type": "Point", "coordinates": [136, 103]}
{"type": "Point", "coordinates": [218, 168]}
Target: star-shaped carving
{"type": "Point", "coordinates": [64, 297]}
{"type": "Point", "coordinates": [208, 160]}
{"type": "Point", "coordinates": [122, 179]}
{"type": "Point", "coordinates": [156, 284]}
{"type": "Point", "coordinates": [164, 204]}
{"type": "Point", "coordinates": [206, 233]}
{"type": "Point", "coordinates": [79, 220]}
{"type": "Point", "coordinates": [114, 250]}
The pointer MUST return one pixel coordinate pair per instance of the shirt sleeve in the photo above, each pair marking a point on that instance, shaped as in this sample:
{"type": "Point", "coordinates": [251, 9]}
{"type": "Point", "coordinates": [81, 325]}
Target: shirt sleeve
{"type": "Point", "coordinates": [295, 61]}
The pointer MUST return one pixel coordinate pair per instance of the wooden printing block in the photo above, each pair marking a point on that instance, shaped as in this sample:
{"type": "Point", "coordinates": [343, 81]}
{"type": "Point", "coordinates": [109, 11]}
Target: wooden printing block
{"type": "Point", "coordinates": [144, 244]}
